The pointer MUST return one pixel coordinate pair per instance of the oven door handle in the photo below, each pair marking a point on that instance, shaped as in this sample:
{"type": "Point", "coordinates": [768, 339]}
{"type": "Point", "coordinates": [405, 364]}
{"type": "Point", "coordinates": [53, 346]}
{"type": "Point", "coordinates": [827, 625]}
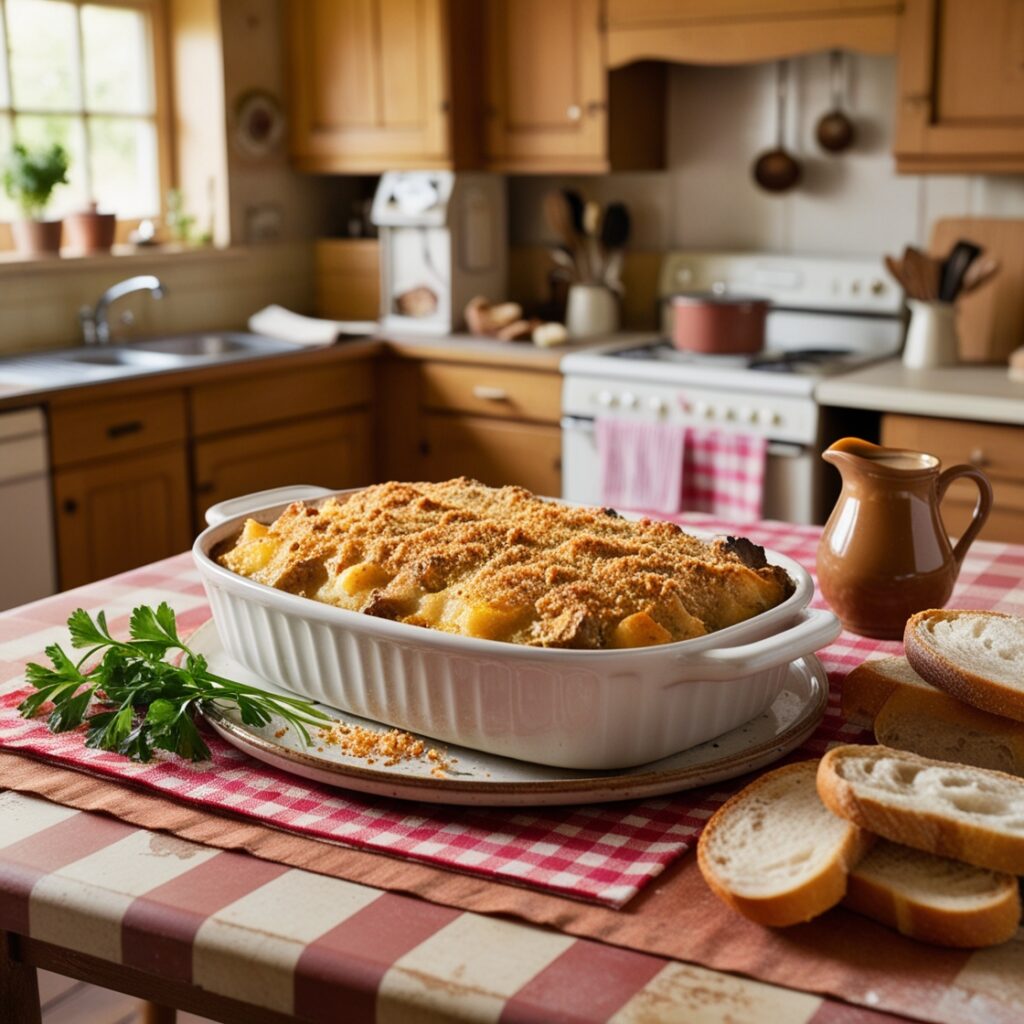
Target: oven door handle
{"type": "Point", "coordinates": [782, 450]}
{"type": "Point", "coordinates": [580, 424]}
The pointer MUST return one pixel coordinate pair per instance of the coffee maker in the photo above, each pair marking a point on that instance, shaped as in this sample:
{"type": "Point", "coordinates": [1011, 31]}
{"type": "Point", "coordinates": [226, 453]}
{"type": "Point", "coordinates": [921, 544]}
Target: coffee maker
{"type": "Point", "coordinates": [443, 240]}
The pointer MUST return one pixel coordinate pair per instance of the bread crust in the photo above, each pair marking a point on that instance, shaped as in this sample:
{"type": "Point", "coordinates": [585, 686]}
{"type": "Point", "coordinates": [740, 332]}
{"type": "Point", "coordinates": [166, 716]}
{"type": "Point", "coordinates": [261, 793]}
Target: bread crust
{"type": "Point", "coordinates": [813, 896]}
{"type": "Point", "coordinates": [970, 687]}
{"type": "Point", "coordinates": [865, 690]}
{"type": "Point", "coordinates": [922, 829]}
{"type": "Point", "coordinates": [994, 921]}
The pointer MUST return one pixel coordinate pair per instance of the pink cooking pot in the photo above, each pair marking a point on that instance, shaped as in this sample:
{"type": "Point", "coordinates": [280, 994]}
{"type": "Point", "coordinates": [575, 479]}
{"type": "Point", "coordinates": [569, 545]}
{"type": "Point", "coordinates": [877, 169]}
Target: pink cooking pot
{"type": "Point", "coordinates": [718, 324]}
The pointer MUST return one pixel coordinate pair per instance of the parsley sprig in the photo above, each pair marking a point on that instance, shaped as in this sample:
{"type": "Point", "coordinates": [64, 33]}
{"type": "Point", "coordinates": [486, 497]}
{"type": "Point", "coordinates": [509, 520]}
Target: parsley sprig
{"type": "Point", "coordinates": [139, 701]}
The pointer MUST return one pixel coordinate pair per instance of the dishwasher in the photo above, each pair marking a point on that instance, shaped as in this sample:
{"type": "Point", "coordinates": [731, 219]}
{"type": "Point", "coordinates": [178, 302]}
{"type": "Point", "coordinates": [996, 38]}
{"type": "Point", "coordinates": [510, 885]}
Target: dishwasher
{"type": "Point", "coordinates": [27, 560]}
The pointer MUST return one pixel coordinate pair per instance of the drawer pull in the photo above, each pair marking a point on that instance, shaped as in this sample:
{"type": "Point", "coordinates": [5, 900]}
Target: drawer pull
{"type": "Point", "coordinates": [124, 429]}
{"type": "Point", "coordinates": [978, 457]}
{"type": "Point", "coordinates": [69, 506]}
{"type": "Point", "coordinates": [487, 393]}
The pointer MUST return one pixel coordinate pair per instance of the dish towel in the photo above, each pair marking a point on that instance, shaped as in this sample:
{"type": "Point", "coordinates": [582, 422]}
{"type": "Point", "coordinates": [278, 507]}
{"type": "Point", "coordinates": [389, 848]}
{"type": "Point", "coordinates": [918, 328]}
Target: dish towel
{"type": "Point", "coordinates": [278, 322]}
{"type": "Point", "coordinates": [641, 465]}
{"type": "Point", "coordinates": [723, 473]}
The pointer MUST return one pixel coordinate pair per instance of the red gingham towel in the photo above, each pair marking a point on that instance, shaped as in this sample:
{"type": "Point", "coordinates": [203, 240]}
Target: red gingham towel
{"type": "Point", "coordinates": [641, 465]}
{"type": "Point", "coordinates": [723, 474]}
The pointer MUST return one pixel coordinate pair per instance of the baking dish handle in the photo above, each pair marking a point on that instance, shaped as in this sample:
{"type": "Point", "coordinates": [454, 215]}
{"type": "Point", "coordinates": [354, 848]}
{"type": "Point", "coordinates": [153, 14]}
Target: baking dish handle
{"type": "Point", "coordinates": [812, 631]}
{"type": "Point", "coordinates": [263, 499]}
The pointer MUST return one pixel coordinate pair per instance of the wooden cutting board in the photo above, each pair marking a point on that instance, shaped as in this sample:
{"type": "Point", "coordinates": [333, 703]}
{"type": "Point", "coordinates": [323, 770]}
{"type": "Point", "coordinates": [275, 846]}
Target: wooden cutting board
{"type": "Point", "coordinates": [990, 321]}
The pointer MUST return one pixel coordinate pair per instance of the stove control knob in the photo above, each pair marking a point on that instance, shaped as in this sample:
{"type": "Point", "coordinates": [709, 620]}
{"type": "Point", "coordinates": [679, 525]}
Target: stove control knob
{"type": "Point", "coordinates": [607, 399]}
{"type": "Point", "coordinates": [705, 410]}
{"type": "Point", "coordinates": [748, 415]}
{"type": "Point", "coordinates": [656, 405]}
{"type": "Point", "coordinates": [629, 400]}
{"type": "Point", "coordinates": [730, 413]}
{"type": "Point", "coordinates": [878, 287]}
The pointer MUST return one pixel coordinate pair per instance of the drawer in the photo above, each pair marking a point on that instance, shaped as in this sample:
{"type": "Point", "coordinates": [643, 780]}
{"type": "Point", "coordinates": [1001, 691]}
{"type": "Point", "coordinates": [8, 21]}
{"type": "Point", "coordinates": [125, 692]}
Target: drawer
{"type": "Point", "coordinates": [269, 397]}
{"type": "Point", "coordinates": [995, 448]}
{"type": "Point", "coordinates": [493, 391]}
{"type": "Point", "coordinates": [98, 430]}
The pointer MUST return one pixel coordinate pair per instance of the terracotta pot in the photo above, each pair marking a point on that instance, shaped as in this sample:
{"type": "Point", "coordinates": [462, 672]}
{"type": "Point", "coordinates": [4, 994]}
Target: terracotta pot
{"type": "Point", "coordinates": [89, 231]}
{"type": "Point", "coordinates": [718, 324]}
{"type": "Point", "coordinates": [37, 237]}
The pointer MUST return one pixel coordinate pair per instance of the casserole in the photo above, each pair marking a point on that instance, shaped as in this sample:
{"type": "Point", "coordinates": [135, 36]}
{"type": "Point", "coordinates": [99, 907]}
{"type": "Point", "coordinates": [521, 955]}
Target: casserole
{"type": "Point", "coordinates": [718, 323]}
{"type": "Point", "coordinates": [594, 709]}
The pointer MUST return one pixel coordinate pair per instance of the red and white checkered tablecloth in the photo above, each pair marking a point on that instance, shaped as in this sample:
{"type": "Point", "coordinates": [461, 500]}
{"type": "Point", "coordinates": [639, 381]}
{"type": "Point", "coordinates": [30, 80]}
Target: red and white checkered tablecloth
{"type": "Point", "coordinates": [605, 853]}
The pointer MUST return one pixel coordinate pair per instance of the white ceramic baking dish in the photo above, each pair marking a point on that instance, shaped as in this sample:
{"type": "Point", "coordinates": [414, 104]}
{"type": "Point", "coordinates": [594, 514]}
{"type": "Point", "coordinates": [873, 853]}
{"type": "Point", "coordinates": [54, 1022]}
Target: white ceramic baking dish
{"type": "Point", "coordinates": [575, 709]}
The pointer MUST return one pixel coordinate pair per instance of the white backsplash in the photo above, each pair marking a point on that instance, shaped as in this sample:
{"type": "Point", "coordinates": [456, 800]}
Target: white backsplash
{"type": "Point", "coordinates": [721, 118]}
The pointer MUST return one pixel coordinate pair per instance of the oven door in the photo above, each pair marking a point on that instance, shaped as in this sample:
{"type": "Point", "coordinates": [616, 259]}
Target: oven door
{"type": "Point", "coordinates": [792, 488]}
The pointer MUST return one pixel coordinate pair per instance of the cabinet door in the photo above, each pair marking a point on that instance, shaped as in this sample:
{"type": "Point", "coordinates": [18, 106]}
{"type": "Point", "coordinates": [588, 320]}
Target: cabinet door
{"type": "Point", "coordinates": [121, 513]}
{"type": "Point", "coordinates": [369, 87]}
{"type": "Point", "coordinates": [961, 86]}
{"type": "Point", "coordinates": [493, 452]}
{"type": "Point", "coordinates": [547, 87]}
{"type": "Point", "coordinates": [331, 451]}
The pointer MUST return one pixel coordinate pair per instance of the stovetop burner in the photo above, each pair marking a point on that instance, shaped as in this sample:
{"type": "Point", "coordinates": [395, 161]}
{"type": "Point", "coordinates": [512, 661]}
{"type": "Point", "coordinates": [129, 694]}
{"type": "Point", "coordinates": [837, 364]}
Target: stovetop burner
{"type": "Point", "coordinates": [796, 361]}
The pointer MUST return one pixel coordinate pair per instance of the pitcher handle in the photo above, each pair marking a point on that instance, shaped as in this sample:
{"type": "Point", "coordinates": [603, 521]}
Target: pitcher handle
{"type": "Point", "coordinates": [981, 508]}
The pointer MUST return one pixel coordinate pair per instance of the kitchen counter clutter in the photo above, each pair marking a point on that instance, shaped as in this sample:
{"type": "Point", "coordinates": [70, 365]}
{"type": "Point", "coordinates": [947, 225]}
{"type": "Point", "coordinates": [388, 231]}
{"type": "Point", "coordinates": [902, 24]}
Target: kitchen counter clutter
{"type": "Point", "coordinates": [218, 913]}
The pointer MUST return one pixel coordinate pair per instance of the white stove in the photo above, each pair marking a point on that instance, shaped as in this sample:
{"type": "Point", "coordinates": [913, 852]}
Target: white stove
{"type": "Point", "coordinates": [828, 316]}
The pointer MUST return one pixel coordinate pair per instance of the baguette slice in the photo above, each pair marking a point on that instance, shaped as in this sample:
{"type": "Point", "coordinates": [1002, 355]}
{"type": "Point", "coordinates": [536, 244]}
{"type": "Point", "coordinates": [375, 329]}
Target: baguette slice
{"type": "Point", "coordinates": [775, 853]}
{"type": "Point", "coordinates": [934, 899]}
{"type": "Point", "coordinates": [929, 722]}
{"type": "Point", "coordinates": [970, 814]}
{"type": "Point", "coordinates": [977, 657]}
{"type": "Point", "coordinates": [871, 684]}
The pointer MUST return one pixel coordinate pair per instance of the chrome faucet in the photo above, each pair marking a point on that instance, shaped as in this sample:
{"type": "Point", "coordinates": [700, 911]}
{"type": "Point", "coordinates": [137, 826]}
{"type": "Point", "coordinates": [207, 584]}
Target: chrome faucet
{"type": "Point", "coordinates": [95, 322]}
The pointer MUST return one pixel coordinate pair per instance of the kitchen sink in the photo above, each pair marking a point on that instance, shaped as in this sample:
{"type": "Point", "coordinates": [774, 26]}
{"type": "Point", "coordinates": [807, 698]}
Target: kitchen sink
{"type": "Point", "coordinates": [90, 363]}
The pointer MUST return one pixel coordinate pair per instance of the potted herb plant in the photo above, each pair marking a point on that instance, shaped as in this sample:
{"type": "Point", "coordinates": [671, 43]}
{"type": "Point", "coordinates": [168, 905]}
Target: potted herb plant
{"type": "Point", "coordinates": [30, 177]}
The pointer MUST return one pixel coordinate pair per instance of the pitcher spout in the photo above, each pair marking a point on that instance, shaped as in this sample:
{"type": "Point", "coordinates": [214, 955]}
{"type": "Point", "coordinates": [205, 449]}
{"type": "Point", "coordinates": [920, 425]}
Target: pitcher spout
{"type": "Point", "coordinates": [852, 452]}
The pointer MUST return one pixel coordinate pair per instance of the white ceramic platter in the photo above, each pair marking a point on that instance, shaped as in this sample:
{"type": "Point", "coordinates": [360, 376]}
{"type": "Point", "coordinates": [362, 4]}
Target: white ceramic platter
{"type": "Point", "coordinates": [476, 778]}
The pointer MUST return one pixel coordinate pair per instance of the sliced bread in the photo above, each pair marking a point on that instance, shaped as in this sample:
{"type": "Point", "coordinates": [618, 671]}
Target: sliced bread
{"type": "Point", "coordinates": [976, 656]}
{"type": "Point", "coordinates": [870, 685]}
{"type": "Point", "coordinates": [970, 814]}
{"type": "Point", "coordinates": [775, 853]}
{"type": "Point", "coordinates": [934, 724]}
{"type": "Point", "coordinates": [934, 899]}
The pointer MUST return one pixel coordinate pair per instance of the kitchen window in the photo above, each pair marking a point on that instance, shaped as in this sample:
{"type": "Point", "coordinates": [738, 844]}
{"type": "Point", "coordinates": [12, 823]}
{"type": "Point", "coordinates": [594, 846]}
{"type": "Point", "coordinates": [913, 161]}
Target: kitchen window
{"type": "Point", "coordinates": [87, 75]}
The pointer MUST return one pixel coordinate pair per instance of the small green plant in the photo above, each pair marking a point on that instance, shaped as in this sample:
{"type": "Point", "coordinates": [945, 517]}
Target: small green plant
{"type": "Point", "coordinates": [31, 175]}
{"type": "Point", "coordinates": [179, 222]}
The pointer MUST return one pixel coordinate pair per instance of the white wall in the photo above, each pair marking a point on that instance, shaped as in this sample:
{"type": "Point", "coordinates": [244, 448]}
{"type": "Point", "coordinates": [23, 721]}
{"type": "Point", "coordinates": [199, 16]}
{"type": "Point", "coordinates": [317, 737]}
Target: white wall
{"type": "Point", "coordinates": [721, 118]}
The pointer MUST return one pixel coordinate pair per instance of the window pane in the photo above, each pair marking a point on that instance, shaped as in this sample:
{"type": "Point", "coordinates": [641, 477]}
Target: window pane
{"type": "Point", "coordinates": [117, 73]}
{"type": "Point", "coordinates": [7, 207]}
{"type": "Point", "coordinates": [44, 68]}
{"type": "Point", "coordinates": [35, 131]}
{"type": "Point", "coordinates": [124, 166]}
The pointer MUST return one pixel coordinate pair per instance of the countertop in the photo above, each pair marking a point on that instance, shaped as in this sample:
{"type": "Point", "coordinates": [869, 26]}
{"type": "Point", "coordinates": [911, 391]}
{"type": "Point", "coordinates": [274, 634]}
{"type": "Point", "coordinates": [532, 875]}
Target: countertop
{"type": "Point", "coordinates": [454, 347]}
{"type": "Point", "coordinates": [965, 392]}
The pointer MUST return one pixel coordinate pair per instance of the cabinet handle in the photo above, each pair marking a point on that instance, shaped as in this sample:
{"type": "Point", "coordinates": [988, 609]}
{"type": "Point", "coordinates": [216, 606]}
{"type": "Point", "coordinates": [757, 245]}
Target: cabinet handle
{"type": "Point", "coordinates": [487, 393]}
{"type": "Point", "coordinates": [978, 457]}
{"type": "Point", "coordinates": [424, 447]}
{"type": "Point", "coordinates": [123, 429]}
{"type": "Point", "coordinates": [69, 506]}
{"type": "Point", "coordinates": [574, 112]}
{"type": "Point", "coordinates": [595, 107]}
{"type": "Point", "coordinates": [205, 487]}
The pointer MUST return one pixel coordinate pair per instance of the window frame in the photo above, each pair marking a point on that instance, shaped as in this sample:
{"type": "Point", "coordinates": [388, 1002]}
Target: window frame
{"type": "Point", "coordinates": [156, 15]}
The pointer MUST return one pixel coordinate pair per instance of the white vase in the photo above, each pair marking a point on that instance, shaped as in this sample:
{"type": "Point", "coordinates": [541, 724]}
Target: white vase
{"type": "Point", "coordinates": [931, 336]}
{"type": "Point", "coordinates": [591, 309]}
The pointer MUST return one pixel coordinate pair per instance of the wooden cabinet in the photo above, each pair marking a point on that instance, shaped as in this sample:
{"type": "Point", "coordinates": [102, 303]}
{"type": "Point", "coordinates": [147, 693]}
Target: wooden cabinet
{"type": "Point", "coordinates": [118, 513]}
{"type": "Point", "coordinates": [374, 83]}
{"type": "Point", "coordinates": [495, 423]}
{"type": "Point", "coordinates": [551, 104]}
{"type": "Point", "coordinates": [330, 451]}
{"type": "Point", "coordinates": [347, 278]}
{"type": "Point", "coordinates": [120, 484]}
{"type": "Point", "coordinates": [996, 449]}
{"type": "Point", "coordinates": [961, 87]}
{"type": "Point", "coordinates": [743, 31]}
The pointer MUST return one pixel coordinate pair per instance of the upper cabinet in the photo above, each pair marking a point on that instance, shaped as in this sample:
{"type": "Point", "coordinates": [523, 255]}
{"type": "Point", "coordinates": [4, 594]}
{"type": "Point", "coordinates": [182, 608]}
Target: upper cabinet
{"type": "Point", "coordinates": [516, 85]}
{"type": "Point", "coordinates": [961, 96]}
{"type": "Point", "coordinates": [371, 86]}
{"type": "Point", "coordinates": [742, 31]}
{"type": "Point", "coordinates": [551, 104]}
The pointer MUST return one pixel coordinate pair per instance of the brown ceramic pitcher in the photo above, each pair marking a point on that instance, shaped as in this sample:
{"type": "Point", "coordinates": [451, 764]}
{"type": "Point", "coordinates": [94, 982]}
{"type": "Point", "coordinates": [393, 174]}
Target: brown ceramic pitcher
{"type": "Point", "coordinates": [884, 553]}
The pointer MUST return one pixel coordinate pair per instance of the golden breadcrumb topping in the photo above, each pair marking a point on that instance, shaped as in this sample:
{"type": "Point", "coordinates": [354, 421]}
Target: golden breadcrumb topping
{"type": "Point", "coordinates": [502, 564]}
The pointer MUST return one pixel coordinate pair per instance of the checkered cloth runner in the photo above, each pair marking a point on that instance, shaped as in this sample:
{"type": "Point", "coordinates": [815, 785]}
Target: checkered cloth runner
{"type": "Point", "coordinates": [605, 853]}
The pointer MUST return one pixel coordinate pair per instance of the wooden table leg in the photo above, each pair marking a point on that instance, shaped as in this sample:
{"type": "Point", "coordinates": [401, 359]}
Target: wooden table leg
{"type": "Point", "coordinates": [19, 988]}
{"type": "Point", "coordinates": [154, 1014]}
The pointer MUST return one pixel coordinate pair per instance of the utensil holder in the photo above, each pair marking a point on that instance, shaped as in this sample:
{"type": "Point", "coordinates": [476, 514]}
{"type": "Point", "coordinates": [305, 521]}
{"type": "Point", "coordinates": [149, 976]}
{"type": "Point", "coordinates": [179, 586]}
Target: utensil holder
{"type": "Point", "coordinates": [591, 309]}
{"type": "Point", "coordinates": [931, 336]}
